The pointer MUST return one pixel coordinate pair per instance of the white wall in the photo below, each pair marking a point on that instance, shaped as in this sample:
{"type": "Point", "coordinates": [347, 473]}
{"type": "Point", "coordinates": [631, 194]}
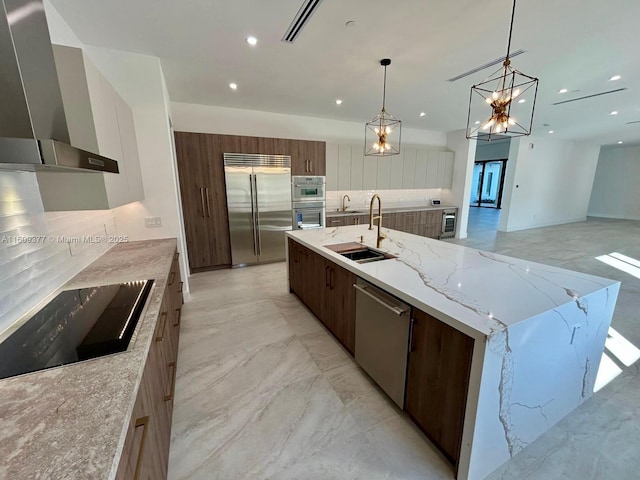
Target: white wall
{"type": "Point", "coordinates": [140, 82]}
{"type": "Point", "coordinates": [462, 176]}
{"type": "Point", "coordinates": [29, 272]}
{"type": "Point", "coordinates": [234, 121]}
{"type": "Point", "coordinates": [547, 185]}
{"type": "Point", "coordinates": [615, 189]}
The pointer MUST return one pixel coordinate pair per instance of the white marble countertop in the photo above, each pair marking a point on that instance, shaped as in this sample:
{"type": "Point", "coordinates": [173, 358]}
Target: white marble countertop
{"type": "Point", "coordinates": [69, 421]}
{"type": "Point", "coordinates": [474, 291]}
{"type": "Point", "coordinates": [389, 209]}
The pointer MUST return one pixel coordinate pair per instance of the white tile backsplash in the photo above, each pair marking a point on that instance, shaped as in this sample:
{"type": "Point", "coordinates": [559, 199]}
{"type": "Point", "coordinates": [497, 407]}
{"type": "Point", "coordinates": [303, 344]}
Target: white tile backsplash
{"type": "Point", "coordinates": [360, 199]}
{"type": "Point", "coordinates": [29, 272]}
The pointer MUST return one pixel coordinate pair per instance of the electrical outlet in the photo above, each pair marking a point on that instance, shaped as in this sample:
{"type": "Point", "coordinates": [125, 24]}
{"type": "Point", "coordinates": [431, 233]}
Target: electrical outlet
{"type": "Point", "coordinates": [151, 222]}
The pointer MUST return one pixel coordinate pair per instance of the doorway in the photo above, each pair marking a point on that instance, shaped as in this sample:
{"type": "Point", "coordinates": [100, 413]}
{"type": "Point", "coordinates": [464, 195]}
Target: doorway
{"type": "Point", "coordinates": [488, 183]}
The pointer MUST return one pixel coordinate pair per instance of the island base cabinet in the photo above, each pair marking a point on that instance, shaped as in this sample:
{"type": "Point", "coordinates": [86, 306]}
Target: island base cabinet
{"type": "Point", "coordinates": [438, 381]}
{"type": "Point", "coordinates": [326, 289]}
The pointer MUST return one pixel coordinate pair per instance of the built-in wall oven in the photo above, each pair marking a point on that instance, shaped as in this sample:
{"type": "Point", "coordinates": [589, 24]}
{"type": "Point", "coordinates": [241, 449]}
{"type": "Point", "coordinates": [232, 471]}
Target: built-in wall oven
{"type": "Point", "coordinates": [307, 189]}
{"type": "Point", "coordinates": [308, 215]}
{"type": "Point", "coordinates": [449, 223]}
{"type": "Point", "coordinates": [308, 202]}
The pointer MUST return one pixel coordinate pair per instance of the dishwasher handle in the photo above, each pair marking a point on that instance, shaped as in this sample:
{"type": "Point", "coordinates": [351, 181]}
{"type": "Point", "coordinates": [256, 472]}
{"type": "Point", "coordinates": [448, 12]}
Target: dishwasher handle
{"type": "Point", "coordinates": [397, 310]}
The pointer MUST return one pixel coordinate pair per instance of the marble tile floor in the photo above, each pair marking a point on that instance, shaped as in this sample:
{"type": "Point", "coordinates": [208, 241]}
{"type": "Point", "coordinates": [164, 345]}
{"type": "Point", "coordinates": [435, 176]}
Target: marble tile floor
{"type": "Point", "coordinates": [263, 391]}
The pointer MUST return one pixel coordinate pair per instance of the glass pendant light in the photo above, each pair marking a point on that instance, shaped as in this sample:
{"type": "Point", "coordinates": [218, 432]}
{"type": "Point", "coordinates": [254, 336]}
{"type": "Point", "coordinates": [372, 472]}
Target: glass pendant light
{"type": "Point", "coordinates": [382, 133]}
{"type": "Point", "coordinates": [511, 97]}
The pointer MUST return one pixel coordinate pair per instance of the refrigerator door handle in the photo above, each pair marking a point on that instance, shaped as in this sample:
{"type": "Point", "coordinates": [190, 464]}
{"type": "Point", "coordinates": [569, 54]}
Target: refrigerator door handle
{"type": "Point", "coordinates": [253, 215]}
{"type": "Point", "coordinates": [256, 223]}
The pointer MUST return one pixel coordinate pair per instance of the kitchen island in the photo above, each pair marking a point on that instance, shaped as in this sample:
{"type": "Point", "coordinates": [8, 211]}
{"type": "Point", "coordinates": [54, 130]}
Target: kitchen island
{"type": "Point", "coordinates": [80, 420]}
{"type": "Point", "coordinates": [536, 333]}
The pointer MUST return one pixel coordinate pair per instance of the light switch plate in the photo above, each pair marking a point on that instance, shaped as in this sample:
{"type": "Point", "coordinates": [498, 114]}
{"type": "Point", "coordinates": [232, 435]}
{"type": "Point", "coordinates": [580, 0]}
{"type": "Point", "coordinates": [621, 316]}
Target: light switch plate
{"type": "Point", "coordinates": [151, 222]}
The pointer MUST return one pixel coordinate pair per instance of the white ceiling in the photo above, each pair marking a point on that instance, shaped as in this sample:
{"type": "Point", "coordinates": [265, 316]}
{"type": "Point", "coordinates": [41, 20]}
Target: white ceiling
{"type": "Point", "coordinates": [573, 44]}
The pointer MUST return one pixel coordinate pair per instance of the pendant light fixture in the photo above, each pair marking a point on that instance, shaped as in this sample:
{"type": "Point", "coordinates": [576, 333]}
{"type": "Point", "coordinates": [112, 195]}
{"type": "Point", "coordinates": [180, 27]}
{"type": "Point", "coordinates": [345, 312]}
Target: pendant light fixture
{"type": "Point", "coordinates": [510, 96]}
{"type": "Point", "coordinates": [382, 134]}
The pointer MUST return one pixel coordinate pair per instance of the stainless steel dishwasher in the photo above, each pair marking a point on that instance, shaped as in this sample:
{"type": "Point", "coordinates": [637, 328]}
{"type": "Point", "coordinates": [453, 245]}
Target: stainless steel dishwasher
{"type": "Point", "coordinates": [382, 338]}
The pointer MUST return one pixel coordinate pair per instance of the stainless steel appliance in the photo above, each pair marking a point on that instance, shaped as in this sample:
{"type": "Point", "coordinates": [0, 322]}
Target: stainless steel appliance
{"type": "Point", "coordinates": [308, 215]}
{"type": "Point", "coordinates": [259, 205]}
{"type": "Point", "coordinates": [307, 189]}
{"type": "Point", "coordinates": [33, 127]}
{"type": "Point", "coordinates": [382, 338]}
{"type": "Point", "coordinates": [75, 325]}
{"type": "Point", "coordinates": [449, 223]}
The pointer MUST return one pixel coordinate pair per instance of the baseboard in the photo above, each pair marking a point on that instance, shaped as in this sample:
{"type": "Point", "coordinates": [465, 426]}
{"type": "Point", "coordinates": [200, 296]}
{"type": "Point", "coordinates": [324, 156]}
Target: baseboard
{"type": "Point", "coordinates": [544, 224]}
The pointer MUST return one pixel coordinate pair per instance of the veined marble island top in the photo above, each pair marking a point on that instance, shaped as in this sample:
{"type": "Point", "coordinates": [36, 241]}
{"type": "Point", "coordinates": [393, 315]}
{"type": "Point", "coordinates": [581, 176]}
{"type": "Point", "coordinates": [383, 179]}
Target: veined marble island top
{"type": "Point", "coordinates": [475, 291]}
{"type": "Point", "coordinates": [539, 331]}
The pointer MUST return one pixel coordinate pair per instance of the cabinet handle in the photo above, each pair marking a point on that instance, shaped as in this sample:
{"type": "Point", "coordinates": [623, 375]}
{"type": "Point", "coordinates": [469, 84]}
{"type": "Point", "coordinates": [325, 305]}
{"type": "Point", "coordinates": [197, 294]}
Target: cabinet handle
{"type": "Point", "coordinates": [412, 346]}
{"type": "Point", "coordinates": [141, 422]}
{"type": "Point", "coordinates": [172, 388]}
{"type": "Point", "coordinates": [310, 166]}
{"type": "Point", "coordinates": [335, 221]}
{"type": "Point", "coordinates": [180, 291]}
{"type": "Point", "coordinates": [163, 319]}
{"type": "Point", "coordinates": [175, 256]}
{"type": "Point", "coordinates": [172, 277]}
{"type": "Point", "coordinates": [327, 281]}
{"type": "Point", "coordinates": [179, 317]}
{"type": "Point", "coordinates": [202, 200]}
{"type": "Point", "coordinates": [208, 204]}
{"type": "Point", "coordinates": [332, 282]}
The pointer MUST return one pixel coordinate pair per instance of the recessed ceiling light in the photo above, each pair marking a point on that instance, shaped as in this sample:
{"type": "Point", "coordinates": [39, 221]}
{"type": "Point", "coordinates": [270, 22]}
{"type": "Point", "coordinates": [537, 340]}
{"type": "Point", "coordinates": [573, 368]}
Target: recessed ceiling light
{"type": "Point", "coordinates": [522, 100]}
{"type": "Point", "coordinates": [550, 131]}
{"type": "Point", "coordinates": [477, 122]}
{"type": "Point", "coordinates": [614, 78]}
{"type": "Point", "coordinates": [233, 86]}
{"type": "Point", "coordinates": [620, 142]}
{"type": "Point", "coordinates": [422, 114]}
{"type": "Point", "coordinates": [251, 40]}
{"type": "Point", "coordinates": [613, 113]}
{"type": "Point", "coordinates": [563, 90]}
{"type": "Point", "coordinates": [338, 102]}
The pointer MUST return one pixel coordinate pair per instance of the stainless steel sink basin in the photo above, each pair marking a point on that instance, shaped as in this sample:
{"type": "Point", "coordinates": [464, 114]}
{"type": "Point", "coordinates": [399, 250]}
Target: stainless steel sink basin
{"type": "Point", "coordinates": [366, 255]}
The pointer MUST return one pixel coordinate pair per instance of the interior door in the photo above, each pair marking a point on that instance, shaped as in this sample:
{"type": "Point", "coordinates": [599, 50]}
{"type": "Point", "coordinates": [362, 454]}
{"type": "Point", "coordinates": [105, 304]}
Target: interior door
{"type": "Point", "coordinates": [240, 191]}
{"type": "Point", "coordinates": [273, 192]}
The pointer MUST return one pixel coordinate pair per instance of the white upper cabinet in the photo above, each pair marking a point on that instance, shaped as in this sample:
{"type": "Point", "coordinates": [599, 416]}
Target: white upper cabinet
{"type": "Point", "coordinates": [344, 167]}
{"type": "Point", "coordinates": [384, 173]}
{"type": "Point", "coordinates": [413, 168]}
{"type": "Point", "coordinates": [409, 168]}
{"type": "Point", "coordinates": [99, 121]}
{"type": "Point", "coordinates": [332, 159]}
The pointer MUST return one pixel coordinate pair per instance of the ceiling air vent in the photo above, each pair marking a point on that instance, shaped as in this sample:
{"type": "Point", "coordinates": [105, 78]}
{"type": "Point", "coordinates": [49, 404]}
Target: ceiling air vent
{"type": "Point", "coordinates": [307, 9]}
{"type": "Point", "coordinates": [590, 96]}
{"type": "Point", "coordinates": [486, 65]}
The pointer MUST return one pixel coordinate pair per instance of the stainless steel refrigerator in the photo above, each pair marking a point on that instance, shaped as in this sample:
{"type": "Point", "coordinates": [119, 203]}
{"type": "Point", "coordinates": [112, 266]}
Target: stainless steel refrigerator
{"type": "Point", "coordinates": [259, 205]}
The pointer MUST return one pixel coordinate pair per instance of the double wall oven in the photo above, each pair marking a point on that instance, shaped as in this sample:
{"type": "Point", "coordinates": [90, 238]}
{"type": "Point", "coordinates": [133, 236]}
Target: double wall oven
{"type": "Point", "coordinates": [308, 202]}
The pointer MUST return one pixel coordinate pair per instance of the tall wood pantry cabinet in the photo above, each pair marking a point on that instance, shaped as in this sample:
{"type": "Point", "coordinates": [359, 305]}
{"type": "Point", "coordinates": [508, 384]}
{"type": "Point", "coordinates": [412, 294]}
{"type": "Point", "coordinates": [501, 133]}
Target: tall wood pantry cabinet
{"type": "Point", "coordinates": [202, 186]}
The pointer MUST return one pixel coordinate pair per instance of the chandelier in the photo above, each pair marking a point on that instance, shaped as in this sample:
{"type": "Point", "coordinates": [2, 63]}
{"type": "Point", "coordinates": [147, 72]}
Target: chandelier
{"type": "Point", "coordinates": [382, 134]}
{"type": "Point", "coordinates": [511, 97]}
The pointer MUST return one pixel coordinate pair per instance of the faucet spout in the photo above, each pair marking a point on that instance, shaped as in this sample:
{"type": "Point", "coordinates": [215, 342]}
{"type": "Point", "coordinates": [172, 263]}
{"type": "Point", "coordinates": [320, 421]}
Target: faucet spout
{"type": "Point", "coordinates": [380, 236]}
{"type": "Point", "coordinates": [344, 208]}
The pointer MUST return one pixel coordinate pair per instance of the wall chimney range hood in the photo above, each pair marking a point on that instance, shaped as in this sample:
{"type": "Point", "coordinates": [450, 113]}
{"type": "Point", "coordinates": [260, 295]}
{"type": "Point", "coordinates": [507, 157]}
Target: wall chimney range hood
{"type": "Point", "coordinates": [33, 127]}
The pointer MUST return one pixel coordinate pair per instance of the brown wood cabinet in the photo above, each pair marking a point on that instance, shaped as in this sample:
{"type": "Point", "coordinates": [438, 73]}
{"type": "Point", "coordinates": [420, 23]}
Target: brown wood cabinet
{"type": "Point", "coordinates": [438, 381]}
{"type": "Point", "coordinates": [145, 453]}
{"type": "Point", "coordinates": [203, 192]}
{"type": "Point", "coordinates": [326, 289]}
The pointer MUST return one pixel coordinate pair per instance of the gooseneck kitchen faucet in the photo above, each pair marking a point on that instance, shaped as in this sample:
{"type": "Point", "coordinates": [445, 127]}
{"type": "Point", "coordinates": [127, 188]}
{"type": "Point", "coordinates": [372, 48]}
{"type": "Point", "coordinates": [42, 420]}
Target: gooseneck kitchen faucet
{"type": "Point", "coordinates": [380, 236]}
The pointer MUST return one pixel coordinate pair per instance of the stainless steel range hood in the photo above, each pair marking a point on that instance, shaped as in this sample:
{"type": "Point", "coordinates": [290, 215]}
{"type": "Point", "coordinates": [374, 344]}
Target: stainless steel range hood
{"type": "Point", "coordinates": [33, 127]}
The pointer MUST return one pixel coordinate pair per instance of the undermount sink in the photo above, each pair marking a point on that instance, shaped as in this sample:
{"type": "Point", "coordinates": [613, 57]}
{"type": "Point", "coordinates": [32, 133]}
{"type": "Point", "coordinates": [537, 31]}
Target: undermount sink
{"type": "Point", "coordinates": [366, 255]}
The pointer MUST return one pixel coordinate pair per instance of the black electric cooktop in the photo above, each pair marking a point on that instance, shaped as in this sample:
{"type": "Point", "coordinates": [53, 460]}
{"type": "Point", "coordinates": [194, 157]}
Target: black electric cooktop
{"type": "Point", "coordinates": [76, 325]}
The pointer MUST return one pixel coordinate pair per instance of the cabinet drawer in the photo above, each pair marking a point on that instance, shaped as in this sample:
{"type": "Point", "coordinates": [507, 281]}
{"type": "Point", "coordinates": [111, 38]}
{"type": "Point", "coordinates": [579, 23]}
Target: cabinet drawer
{"type": "Point", "coordinates": [335, 221]}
